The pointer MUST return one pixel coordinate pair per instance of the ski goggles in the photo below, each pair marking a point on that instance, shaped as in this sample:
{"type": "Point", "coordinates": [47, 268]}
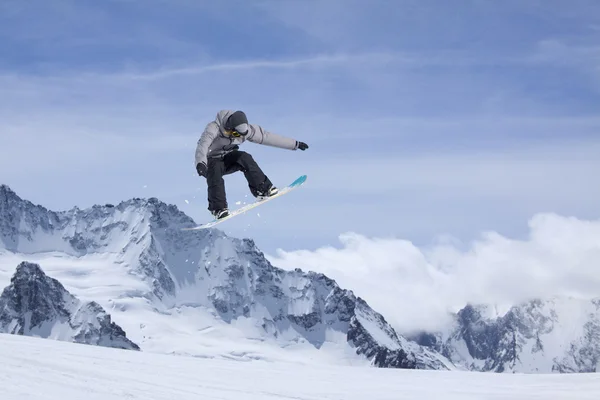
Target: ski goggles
{"type": "Point", "coordinates": [240, 130]}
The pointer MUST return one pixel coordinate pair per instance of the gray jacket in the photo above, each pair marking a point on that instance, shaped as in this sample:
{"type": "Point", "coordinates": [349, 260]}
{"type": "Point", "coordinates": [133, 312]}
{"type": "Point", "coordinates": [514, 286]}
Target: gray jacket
{"type": "Point", "coordinates": [215, 142]}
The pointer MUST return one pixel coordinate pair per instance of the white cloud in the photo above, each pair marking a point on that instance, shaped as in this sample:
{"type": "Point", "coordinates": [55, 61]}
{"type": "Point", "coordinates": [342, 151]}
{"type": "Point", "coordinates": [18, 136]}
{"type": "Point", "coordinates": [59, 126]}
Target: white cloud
{"type": "Point", "coordinates": [415, 287]}
{"type": "Point", "coordinates": [318, 61]}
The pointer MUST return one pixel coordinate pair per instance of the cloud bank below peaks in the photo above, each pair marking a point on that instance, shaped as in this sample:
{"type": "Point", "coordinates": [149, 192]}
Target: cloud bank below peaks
{"type": "Point", "coordinates": [418, 287]}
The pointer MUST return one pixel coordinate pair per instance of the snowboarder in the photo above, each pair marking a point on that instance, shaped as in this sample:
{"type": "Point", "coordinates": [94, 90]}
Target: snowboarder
{"type": "Point", "coordinates": [218, 154]}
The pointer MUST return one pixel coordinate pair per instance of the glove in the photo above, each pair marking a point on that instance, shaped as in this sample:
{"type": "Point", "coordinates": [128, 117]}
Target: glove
{"type": "Point", "coordinates": [201, 168]}
{"type": "Point", "coordinates": [302, 146]}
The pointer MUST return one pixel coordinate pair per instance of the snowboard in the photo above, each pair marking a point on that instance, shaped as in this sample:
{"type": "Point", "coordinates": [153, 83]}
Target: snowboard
{"type": "Point", "coordinates": [294, 185]}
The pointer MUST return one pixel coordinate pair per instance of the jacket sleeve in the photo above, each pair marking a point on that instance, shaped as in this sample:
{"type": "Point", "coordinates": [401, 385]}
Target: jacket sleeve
{"type": "Point", "coordinates": [258, 135]}
{"type": "Point", "coordinates": [208, 136]}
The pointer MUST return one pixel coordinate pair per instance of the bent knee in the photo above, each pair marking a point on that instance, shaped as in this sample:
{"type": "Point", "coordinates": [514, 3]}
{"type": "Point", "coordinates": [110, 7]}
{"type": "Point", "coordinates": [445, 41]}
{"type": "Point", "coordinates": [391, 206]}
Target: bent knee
{"type": "Point", "coordinates": [245, 158]}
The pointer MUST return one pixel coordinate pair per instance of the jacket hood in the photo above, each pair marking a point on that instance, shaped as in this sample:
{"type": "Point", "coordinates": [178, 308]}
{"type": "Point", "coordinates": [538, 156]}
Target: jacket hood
{"type": "Point", "coordinates": [222, 117]}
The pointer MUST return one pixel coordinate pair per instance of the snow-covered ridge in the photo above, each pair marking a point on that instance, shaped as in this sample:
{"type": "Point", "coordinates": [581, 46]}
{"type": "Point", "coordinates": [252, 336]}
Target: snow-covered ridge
{"type": "Point", "coordinates": [555, 335]}
{"type": "Point", "coordinates": [213, 283]}
{"type": "Point", "coordinates": [123, 230]}
{"type": "Point", "coordinates": [37, 305]}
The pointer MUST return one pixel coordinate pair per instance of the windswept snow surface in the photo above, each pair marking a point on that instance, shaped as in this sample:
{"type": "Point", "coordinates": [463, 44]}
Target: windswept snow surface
{"type": "Point", "coordinates": [34, 368]}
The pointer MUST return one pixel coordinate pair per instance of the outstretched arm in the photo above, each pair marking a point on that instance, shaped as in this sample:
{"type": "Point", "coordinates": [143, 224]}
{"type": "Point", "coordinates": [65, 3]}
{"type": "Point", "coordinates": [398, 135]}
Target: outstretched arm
{"type": "Point", "coordinates": [258, 135]}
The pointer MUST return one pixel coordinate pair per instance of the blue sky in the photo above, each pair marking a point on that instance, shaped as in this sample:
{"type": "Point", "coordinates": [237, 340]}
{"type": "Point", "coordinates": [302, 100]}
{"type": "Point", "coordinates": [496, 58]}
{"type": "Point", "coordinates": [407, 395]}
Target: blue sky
{"type": "Point", "coordinates": [424, 118]}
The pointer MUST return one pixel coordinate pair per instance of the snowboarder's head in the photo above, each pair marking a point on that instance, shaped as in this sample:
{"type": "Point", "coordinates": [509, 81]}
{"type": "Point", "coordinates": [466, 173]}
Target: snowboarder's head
{"type": "Point", "coordinates": [237, 124]}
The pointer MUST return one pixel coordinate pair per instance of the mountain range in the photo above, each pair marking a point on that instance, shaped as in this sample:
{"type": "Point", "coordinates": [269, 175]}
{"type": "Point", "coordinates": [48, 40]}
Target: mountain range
{"type": "Point", "coordinates": [196, 292]}
{"type": "Point", "coordinates": [128, 276]}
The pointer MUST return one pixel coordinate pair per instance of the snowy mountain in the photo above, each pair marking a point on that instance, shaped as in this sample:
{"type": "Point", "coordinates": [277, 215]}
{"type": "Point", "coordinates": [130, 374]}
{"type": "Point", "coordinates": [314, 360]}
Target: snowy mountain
{"type": "Point", "coordinates": [200, 293]}
{"type": "Point", "coordinates": [37, 305]}
{"type": "Point", "coordinates": [557, 335]}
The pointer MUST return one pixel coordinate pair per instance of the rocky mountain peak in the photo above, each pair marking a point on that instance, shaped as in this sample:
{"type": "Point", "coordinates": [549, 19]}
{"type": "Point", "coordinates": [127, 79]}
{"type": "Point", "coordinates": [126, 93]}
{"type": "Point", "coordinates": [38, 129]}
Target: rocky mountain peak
{"type": "Point", "coordinates": [5, 190]}
{"type": "Point", "coordinates": [36, 305]}
{"type": "Point", "coordinates": [32, 291]}
{"type": "Point", "coordinates": [552, 335]}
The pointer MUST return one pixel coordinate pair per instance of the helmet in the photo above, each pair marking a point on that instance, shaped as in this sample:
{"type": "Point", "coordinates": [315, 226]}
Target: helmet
{"type": "Point", "coordinates": [237, 124]}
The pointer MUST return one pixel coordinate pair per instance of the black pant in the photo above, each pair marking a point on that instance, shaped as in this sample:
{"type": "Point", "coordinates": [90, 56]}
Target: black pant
{"type": "Point", "coordinates": [230, 163]}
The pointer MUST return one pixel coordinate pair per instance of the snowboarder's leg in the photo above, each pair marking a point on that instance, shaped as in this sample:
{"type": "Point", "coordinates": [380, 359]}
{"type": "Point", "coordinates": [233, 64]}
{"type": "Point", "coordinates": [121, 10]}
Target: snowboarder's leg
{"type": "Point", "coordinates": [217, 199]}
{"type": "Point", "coordinates": [258, 182]}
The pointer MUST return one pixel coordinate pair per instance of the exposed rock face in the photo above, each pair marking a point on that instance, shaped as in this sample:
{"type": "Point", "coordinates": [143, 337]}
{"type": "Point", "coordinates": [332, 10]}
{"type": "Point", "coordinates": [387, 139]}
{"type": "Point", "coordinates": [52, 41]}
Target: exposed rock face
{"type": "Point", "coordinates": [557, 335]}
{"type": "Point", "coordinates": [37, 305]}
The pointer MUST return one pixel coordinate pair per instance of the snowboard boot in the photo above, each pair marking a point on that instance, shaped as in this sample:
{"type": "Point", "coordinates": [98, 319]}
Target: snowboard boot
{"type": "Point", "coordinates": [271, 192]}
{"type": "Point", "coordinates": [218, 214]}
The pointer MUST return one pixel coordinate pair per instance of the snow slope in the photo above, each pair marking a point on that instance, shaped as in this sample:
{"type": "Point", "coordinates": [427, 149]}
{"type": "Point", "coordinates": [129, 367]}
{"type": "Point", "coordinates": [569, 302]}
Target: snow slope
{"type": "Point", "coordinates": [52, 370]}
